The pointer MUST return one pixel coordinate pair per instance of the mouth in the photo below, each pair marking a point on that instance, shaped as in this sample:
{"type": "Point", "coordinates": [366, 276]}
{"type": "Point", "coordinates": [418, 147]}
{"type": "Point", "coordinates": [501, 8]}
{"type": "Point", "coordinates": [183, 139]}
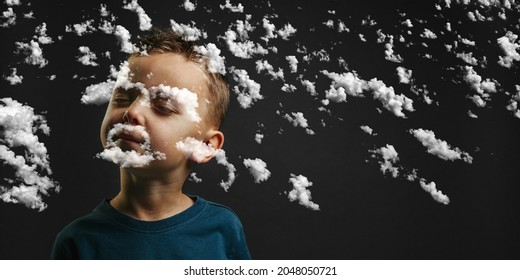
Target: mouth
{"type": "Point", "coordinates": [126, 137]}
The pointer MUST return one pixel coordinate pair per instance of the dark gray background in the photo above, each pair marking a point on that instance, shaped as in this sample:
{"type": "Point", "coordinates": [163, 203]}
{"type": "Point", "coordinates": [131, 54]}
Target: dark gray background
{"type": "Point", "coordinates": [364, 214]}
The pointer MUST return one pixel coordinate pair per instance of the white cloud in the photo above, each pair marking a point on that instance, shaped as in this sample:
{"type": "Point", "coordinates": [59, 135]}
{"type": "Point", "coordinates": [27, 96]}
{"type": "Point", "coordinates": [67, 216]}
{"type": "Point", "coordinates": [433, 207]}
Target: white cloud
{"type": "Point", "coordinates": [194, 149]}
{"type": "Point", "coordinates": [19, 124]}
{"type": "Point", "coordinates": [193, 177]}
{"type": "Point", "coordinates": [247, 89]}
{"type": "Point", "coordinates": [509, 48]}
{"type": "Point", "coordinates": [257, 168]}
{"type": "Point", "coordinates": [404, 75]}
{"type": "Point", "coordinates": [293, 63]}
{"type": "Point", "coordinates": [12, 2]}
{"type": "Point", "coordinates": [288, 88]}
{"type": "Point", "coordinates": [87, 57]}
{"type": "Point", "coordinates": [298, 119]}
{"type": "Point", "coordinates": [483, 88]}
{"type": "Point", "coordinates": [222, 160]}
{"type": "Point", "coordinates": [389, 158]}
{"type": "Point", "coordinates": [287, 31]}
{"type": "Point", "coordinates": [235, 9]}
{"type": "Point", "coordinates": [14, 79]}
{"type": "Point", "coordinates": [145, 22]}
{"type": "Point", "coordinates": [243, 49]}
{"type": "Point", "coordinates": [34, 53]}
{"type": "Point", "coordinates": [513, 105]}
{"type": "Point", "coordinates": [106, 26]}
{"type": "Point", "coordinates": [343, 84]}
{"type": "Point", "coordinates": [427, 33]}
{"type": "Point", "coordinates": [189, 6]}
{"type": "Point", "coordinates": [439, 148]}
{"type": "Point", "coordinates": [41, 36]}
{"type": "Point", "coordinates": [301, 193]}
{"type": "Point", "coordinates": [468, 58]}
{"type": "Point", "coordinates": [270, 29]}
{"type": "Point", "coordinates": [10, 16]}
{"type": "Point", "coordinates": [309, 86]}
{"type": "Point", "coordinates": [436, 194]}
{"type": "Point", "coordinates": [262, 65]}
{"type": "Point", "coordinates": [212, 54]}
{"type": "Point", "coordinates": [188, 33]}
{"type": "Point", "coordinates": [367, 129]}
{"type": "Point", "coordinates": [81, 28]}
{"type": "Point", "coordinates": [98, 94]}
{"type": "Point", "coordinates": [129, 158]}
{"type": "Point", "coordinates": [391, 101]}
{"type": "Point", "coordinates": [123, 36]}
{"type": "Point", "coordinates": [258, 138]}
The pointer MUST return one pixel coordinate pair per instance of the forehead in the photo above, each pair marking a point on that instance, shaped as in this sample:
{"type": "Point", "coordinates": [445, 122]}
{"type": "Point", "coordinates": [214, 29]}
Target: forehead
{"type": "Point", "coordinates": [169, 69]}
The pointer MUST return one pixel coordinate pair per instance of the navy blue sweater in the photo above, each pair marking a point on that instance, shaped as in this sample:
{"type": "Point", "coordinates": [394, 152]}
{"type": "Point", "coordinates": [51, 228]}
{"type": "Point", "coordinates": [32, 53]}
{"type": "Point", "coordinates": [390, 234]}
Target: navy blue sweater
{"type": "Point", "coordinates": [205, 230]}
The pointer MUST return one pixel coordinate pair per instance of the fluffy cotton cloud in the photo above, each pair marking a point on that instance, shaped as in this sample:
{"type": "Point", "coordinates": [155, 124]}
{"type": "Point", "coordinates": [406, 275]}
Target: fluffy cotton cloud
{"type": "Point", "coordinates": [189, 6]}
{"type": "Point", "coordinates": [248, 90]}
{"type": "Point", "coordinates": [301, 193]}
{"type": "Point", "coordinates": [367, 129]}
{"type": "Point", "coordinates": [270, 29]}
{"type": "Point", "coordinates": [14, 79]}
{"type": "Point", "coordinates": [391, 101]}
{"type": "Point", "coordinates": [427, 33]}
{"type": "Point", "coordinates": [194, 149]}
{"type": "Point", "coordinates": [287, 31]}
{"type": "Point", "coordinates": [10, 17]}
{"type": "Point", "coordinates": [98, 94]}
{"type": "Point", "coordinates": [129, 158]}
{"type": "Point", "coordinates": [404, 75]}
{"type": "Point", "coordinates": [257, 168]}
{"type": "Point", "coordinates": [30, 181]}
{"type": "Point", "coordinates": [87, 57]}
{"type": "Point", "coordinates": [235, 9]}
{"type": "Point", "coordinates": [513, 105]}
{"type": "Point", "coordinates": [193, 177]}
{"type": "Point", "coordinates": [468, 58]}
{"type": "Point", "coordinates": [343, 84]}
{"type": "Point", "coordinates": [41, 34]}
{"type": "Point", "coordinates": [123, 36]}
{"type": "Point", "coordinates": [188, 32]}
{"type": "Point", "coordinates": [437, 195]}
{"type": "Point", "coordinates": [389, 158]}
{"type": "Point", "coordinates": [34, 53]}
{"type": "Point", "coordinates": [258, 138]}
{"type": "Point", "coordinates": [309, 86]}
{"type": "Point", "coordinates": [263, 65]}
{"type": "Point", "coordinates": [212, 54]}
{"type": "Point", "coordinates": [222, 160]}
{"type": "Point", "coordinates": [509, 48]}
{"type": "Point", "coordinates": [145, 22]}
{"type": "Point", "coordinates": [439, 148]}
{"type": "Point", "coordinates": [293, 63]}
{"type": "Point", "coordinates": [288, 88]}
{"type": "Point", "coordinates": [243, 49]}
{"type": "Point", "coordinates": [482, 88]}
{"type": "Point", "coordinates": [82, 28]}
{"type": "Point", "coordinates": [297, 119]}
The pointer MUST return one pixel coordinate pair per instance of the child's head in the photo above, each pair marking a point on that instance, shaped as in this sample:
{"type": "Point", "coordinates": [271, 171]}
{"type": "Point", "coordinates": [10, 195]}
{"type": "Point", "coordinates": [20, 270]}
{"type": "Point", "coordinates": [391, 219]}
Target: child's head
{"type": "Point", "coordinates": [168, 96]}
{"type": "Point", "coordinates": [168, 41]}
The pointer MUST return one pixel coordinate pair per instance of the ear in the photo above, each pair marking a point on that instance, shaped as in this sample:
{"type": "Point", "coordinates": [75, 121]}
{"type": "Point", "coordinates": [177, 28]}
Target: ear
{"type": "Point", "coordinates": [214, 139]}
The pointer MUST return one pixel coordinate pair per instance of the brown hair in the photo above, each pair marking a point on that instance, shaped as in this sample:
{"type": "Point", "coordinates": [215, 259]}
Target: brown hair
{"type": "Point", "coordinates": [169, 41]}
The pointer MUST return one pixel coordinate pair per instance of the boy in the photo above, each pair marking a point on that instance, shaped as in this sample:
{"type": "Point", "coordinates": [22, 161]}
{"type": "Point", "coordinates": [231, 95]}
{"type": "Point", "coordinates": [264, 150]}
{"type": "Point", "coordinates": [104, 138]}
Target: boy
{"type": "Point", "coordinates": [150, 116]}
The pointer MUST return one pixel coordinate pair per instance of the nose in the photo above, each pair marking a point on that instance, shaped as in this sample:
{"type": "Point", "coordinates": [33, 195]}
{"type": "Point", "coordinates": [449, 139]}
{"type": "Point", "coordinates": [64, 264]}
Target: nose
{"type": "Point", "coordinates": [134, 114]}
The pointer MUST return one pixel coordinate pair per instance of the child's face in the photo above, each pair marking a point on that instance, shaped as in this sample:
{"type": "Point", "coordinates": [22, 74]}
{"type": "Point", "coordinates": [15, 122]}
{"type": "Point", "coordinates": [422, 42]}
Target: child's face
{"type": "Point", "coordinates": [165, 120]}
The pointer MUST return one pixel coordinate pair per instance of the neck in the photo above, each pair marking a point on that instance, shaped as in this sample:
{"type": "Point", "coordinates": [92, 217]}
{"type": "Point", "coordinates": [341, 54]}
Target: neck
{"type": "Point", "coordinates": [150, 199]}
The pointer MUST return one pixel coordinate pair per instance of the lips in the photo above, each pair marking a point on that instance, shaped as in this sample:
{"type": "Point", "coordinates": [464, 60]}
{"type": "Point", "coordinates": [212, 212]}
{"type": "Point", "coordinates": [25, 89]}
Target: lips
{"type": "Point", "coordinates": [128, 137]}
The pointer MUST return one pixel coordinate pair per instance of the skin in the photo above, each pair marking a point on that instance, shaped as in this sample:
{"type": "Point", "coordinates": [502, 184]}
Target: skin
{"type": "Point", "coordinates": [154, 192]}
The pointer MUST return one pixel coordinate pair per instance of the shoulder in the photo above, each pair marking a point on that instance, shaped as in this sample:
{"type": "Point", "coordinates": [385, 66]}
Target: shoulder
{"type": "Point", "coordinates": [220, 212]}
